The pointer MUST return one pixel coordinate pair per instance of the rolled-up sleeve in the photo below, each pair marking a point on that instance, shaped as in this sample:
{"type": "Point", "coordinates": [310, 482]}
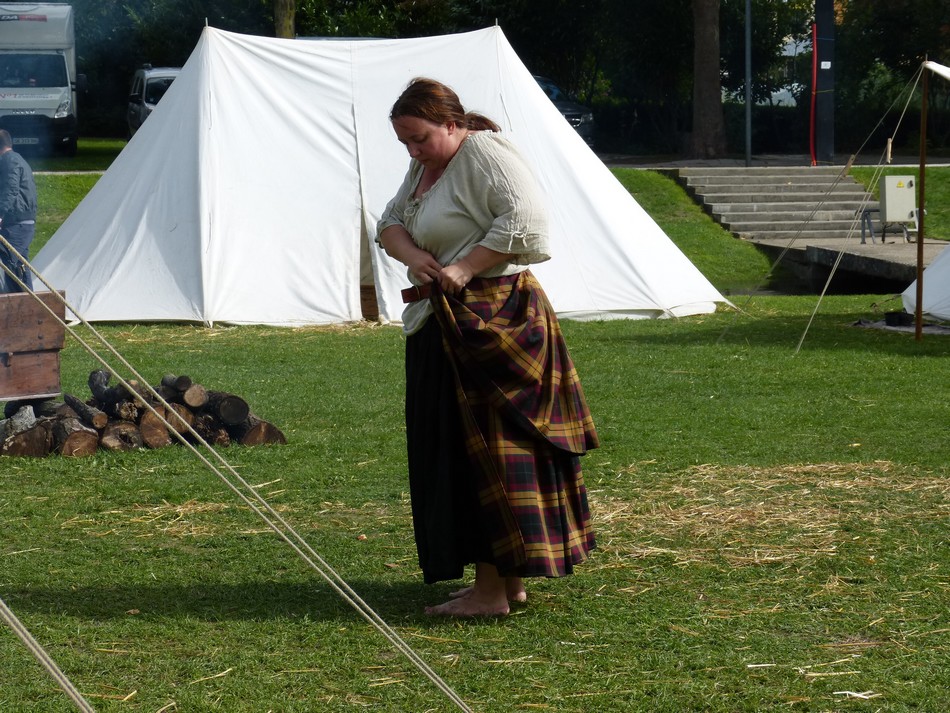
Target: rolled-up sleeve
{"type": "Point", "coordinates": [520, 226]}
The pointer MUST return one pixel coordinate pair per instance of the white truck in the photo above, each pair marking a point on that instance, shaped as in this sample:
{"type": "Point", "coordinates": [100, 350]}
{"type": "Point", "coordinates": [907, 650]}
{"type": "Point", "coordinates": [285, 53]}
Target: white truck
{"type": "Point", "coordinates": [38, 79]}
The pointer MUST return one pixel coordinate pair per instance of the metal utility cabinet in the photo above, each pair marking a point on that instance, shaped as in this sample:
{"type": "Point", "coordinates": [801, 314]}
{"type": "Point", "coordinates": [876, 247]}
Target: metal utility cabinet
{"type": "Point", "coordinates": [898, 200]}
{"type": "Point", "coordinates": [898, 208]}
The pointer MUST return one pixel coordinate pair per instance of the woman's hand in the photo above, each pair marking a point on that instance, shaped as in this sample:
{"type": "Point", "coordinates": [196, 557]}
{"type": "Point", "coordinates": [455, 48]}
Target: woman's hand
{"type": "Point", "coordinates": [453, 278]}
{"type": "Point", "coordinates": [398, 243]}
{"type": "Point", "coordinates": [423, 267]}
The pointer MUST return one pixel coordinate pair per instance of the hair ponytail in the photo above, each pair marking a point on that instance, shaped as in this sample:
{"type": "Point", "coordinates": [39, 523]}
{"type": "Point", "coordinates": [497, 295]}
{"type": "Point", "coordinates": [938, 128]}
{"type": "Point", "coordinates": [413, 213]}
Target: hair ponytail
{"type": "Point", "coordinates": [479, 122]}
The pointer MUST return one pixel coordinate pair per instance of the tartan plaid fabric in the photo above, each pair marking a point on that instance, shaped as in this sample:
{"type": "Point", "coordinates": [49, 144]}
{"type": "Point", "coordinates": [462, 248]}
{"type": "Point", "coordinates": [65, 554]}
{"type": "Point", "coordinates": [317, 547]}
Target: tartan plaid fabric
{"type": "Point", "coordinates": [525, 421]}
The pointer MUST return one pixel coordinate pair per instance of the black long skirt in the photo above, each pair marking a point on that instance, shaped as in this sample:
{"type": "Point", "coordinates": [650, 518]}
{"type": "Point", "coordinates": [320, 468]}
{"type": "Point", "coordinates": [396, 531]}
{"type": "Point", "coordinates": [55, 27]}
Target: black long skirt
{"type": "Point", "coordinates": [441, 484]}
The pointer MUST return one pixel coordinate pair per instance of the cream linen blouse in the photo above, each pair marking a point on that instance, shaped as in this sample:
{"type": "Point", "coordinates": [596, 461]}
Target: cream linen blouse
{"type": "Point", "coordinates": [486, 196]}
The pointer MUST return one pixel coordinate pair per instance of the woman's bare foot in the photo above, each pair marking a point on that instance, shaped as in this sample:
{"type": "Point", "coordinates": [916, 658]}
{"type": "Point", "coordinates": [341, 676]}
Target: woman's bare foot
{"type": "Point", "coordinates": [487, 597]}
{"type": "Point", "coordinates": [514, 587]}
{"type": "Point", "coordinates": [468, 606]}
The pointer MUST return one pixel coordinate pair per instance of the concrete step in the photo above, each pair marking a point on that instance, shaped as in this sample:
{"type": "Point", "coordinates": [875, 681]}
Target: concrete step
{"type": "Point", "coordinates": [778, 226]}
{"type": "Point", "coordinates": [774, 189]}
{"type": "Point", "coordinates": [762, 171]}
{"type": "Point", "coordinates": [750, 180]}
{"type": "Point", "coordinates": [816, 234]}
{"type": "Point", "coordinates": [804, 216]}
{"type": "Point", "coordinates": [785, 236]}
{"type": "Point", "coordinates": [851, 197]}
{"type": "Point", "coordinates": [789, 206]}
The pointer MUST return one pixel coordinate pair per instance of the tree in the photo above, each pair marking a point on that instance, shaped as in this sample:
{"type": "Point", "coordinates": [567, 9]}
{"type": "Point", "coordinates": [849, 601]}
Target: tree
{"type": "Point", "coordinates": [709, 132]}
{"type": "Point", "coordinates": [284, 11]}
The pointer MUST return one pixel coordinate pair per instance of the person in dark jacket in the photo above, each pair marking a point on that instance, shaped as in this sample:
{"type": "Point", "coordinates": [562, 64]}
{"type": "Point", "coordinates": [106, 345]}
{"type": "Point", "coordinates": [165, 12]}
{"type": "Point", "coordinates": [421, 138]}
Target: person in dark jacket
{"type": "Point", "coordinates": [17, 213]}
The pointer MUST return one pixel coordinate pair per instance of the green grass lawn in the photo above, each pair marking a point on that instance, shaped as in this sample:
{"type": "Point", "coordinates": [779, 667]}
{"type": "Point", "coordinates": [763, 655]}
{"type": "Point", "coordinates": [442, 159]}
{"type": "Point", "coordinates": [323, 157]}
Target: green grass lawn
{"type": "Point", "coordinates": [771, 526]}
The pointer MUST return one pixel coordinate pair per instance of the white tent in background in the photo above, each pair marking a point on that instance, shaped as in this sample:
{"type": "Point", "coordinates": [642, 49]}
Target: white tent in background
{"type": "Point", "coordinates": [251, 194]}
{"type": "Point", "coordinates": [935, 300]}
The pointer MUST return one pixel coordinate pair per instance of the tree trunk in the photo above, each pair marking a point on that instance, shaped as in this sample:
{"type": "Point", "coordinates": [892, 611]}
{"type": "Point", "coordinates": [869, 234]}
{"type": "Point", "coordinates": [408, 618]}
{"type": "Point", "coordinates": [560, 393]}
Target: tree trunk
{"type": "Point", "coordinates": [284, 18]}
{"type": "Point", "coordinates": [709, 132]}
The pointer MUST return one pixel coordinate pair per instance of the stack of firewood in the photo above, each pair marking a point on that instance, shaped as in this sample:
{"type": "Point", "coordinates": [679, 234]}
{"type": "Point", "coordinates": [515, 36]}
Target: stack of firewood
{"type": "Point", "coordinates": [116, 418]}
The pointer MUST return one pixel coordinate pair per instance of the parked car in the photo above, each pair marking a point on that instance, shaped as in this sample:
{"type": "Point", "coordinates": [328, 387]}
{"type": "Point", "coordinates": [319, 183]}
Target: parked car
{"type": "Point", "coordinates": [149, 85]}
{"type": "Point", "coordinates": [577, 115]}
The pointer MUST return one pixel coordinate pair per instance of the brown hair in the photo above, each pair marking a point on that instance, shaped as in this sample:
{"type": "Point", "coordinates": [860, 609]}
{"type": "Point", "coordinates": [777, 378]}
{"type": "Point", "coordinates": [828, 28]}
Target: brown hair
{"type": "Point", "coordinates": [6, 141]}
{"type": "Point", "coordinates": [434, 101]}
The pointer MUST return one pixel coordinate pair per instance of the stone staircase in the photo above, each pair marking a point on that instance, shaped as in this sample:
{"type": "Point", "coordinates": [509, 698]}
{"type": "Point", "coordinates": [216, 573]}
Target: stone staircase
{"type": "Point", "coordinates": [811, 219]}
{"type": "Point", "coordinates": [781, 203]}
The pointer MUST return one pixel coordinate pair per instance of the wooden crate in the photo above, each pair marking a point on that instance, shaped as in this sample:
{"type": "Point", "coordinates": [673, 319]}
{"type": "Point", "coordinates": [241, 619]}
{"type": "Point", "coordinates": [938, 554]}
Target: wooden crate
{"type": "Point", "coordinates": [30, 342]}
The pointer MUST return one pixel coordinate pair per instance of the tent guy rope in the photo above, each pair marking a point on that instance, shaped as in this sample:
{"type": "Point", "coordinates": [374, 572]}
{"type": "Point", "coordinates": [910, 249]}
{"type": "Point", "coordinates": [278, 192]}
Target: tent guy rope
{"type": "Point", "coordinates": [10, 619]}
{"type": "Point", "coordinates": [239, 486]}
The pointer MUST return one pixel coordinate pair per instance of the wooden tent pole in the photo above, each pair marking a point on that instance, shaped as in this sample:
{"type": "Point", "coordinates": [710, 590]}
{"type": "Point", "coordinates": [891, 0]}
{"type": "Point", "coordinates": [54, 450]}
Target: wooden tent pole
{"type": "Point", "coordinates": [921, 212]}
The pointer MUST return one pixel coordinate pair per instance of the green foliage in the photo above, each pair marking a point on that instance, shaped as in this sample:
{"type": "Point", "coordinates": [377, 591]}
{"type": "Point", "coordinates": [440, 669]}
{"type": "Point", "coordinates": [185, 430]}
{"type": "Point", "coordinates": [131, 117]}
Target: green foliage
{"type": "Point", "coordinates": [773, 25]}
{"type": "Point", "coordinates": [346, 18]}
{"type": "Point", "coordinates": [881, 47]}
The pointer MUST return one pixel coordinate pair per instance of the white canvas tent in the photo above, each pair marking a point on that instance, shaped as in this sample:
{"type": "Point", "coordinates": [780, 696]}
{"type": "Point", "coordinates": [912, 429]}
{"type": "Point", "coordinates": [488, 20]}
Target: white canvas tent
{"type": "Point", "coordinates": [935, 299]}
{"type": "Point", "coordinates": [251, 194]}
{"type": "Point", "coordinates": [936, 282]}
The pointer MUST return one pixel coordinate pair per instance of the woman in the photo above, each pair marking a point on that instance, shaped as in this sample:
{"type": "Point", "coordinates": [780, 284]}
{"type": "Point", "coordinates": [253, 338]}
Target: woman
{"type": "Point", "coordinates": [495, 415]}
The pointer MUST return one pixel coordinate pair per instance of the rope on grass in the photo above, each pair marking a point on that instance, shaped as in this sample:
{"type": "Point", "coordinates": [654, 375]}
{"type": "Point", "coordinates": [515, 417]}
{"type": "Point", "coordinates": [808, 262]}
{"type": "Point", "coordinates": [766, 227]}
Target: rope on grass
{"type": "Point", "coordinates": [44, 658]}
{"type": "Point", "coordinates": [261, 507]}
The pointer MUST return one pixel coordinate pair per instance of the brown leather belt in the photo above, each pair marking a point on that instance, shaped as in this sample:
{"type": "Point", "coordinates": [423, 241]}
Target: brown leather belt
{"type": "Point", "coordinates": [416, 293]}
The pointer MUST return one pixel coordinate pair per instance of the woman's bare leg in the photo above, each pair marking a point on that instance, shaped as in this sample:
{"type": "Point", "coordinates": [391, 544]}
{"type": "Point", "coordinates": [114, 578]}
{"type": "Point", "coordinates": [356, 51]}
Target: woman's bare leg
{"type": "Point", "coordinates": [488, 596]}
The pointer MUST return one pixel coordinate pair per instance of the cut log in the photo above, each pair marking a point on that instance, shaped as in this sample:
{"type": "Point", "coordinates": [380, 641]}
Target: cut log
{"type": "Point", "coordinates": [231, 410]}
{"type": "Point", "coordinates": [181, 419]}
{"type": "Point", "coordinates": [126, 411]}
{"type": "Point", "coordinates": [20, 421]}
{"type": "Point", "coordinates": [211, 430]}
{"type": "Point", "coordinates": [41, 407]}
{"type": "Point", "coordinates": [121, 436]}
{"type": "Point", "coordinates": [54, 409]}
{"type": "Point", "coordinates": [169, 394]}
{"type": "Point", "coordinates": [23, 435]}
{"type": "Point", "coordinates": [178, 383]}
{"type": "Point", "coordinates": [112, 398]}
{"type": "Point", "coordinates": [89, 415]}
{"type": "Point", "coordinates": [99, 386]}
{"type": "Point", "coordinates": [72, 438]}
{"type": "Point", "coordinates": [32, 442]}
{"type": "Point", "coordinates": [195, 397]}
{"type": "Point", "coordinates": [254, 431]}
{"type": "Point", "coordinates": [153, 430]}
